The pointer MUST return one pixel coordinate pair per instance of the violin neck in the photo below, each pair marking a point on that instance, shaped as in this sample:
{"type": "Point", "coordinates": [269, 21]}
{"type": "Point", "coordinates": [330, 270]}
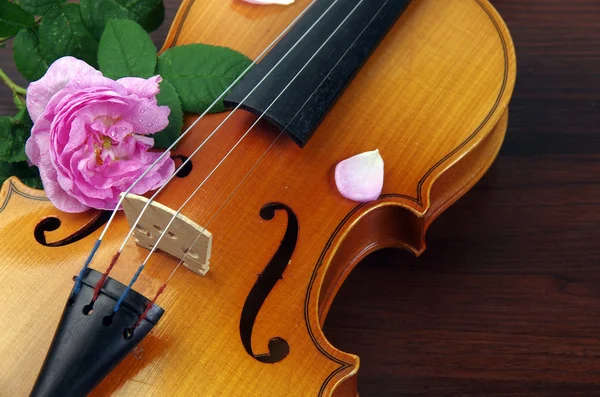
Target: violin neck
{"type": "Point", "coordinates": [308, 70]}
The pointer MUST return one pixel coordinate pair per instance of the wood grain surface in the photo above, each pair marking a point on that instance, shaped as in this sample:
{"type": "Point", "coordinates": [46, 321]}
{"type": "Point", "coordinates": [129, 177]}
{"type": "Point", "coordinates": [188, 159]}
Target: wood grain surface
{"type": "Point", "coordinates": [506, 300]}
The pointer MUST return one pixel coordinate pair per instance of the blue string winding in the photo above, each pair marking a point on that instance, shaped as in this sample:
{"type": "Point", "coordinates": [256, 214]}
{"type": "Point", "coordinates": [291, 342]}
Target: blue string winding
{"type": "Point", "coordinates": [124, 294]}
{"type": "Point", "coordinates": [78, 281]}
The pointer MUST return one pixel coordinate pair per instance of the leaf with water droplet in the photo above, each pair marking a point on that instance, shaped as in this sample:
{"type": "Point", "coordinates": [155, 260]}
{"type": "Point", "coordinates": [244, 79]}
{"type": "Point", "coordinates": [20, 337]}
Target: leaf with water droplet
{"type": "Point", "coordinates": [168, 96]}
{"type": "Point", "coordinates": [39, 7]}
{"type": "Point", "coordinates": [27, 55]}
{"type": "Point", "coordinates": [14, 132]}
{"type": "Point", "coordinates": [126, 50]}
{"type": "Point", "coordinates": [62, 33]}
{"type": "Point", "coordinates": [97, 14]}
{"type": "Point", "coordinates": [200, 73]}
{"type": "Point", "coordinates": [13, 18]}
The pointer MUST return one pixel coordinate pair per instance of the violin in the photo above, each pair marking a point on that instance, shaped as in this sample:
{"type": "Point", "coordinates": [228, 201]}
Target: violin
{"type": "Point", "coordinates": [426, 82]}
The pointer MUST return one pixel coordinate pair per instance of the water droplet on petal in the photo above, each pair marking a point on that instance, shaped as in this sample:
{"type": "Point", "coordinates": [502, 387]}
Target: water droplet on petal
{"type": "Point", "coordinates": [149, 125]}
{"type": "Point", "coordinates": [143, 111]}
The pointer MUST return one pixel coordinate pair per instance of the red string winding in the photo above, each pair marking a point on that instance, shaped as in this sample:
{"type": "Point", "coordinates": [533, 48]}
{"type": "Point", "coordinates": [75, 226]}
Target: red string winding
{"type": "Point", "coordinates": [148, 307]}
{"type": "Point", "coordinates": [104, 276]}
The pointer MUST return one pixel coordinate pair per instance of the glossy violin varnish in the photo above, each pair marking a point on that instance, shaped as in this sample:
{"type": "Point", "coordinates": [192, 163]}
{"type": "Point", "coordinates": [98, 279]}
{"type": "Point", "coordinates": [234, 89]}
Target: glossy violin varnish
{"type": "Point", "coordinates": [432, 96]}
{"type": "Point", "coordinates": [339, 38]}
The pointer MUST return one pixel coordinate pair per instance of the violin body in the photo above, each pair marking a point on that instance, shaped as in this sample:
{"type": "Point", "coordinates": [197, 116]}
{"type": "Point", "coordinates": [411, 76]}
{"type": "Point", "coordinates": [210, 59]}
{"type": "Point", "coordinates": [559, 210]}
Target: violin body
{"type": "Point", "coordinates": [433, 98]}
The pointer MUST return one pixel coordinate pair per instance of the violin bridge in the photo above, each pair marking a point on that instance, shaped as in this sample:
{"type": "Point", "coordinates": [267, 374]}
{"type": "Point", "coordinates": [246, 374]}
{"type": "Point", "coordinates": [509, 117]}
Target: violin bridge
{"type": "Point", "coordinates": [184, 240]}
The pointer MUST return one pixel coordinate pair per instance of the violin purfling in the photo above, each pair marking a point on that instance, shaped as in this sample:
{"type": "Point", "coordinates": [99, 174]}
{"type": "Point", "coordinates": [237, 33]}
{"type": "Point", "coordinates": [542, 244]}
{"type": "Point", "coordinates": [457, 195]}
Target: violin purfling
{"type": "Point", "coordinates": [427, 82]}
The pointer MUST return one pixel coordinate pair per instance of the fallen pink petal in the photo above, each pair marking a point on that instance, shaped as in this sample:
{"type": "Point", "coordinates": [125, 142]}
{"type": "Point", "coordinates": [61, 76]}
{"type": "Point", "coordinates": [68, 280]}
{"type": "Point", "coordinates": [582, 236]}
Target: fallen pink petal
{"type": "Point", "coordinates": [264, 2]}
{"type": "Point", "coordinates": [360, 178]}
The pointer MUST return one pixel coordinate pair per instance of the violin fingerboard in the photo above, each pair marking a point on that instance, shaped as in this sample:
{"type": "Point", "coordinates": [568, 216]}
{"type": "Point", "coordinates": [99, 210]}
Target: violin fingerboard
{"type": "Point", "coordinates": [301, 78]}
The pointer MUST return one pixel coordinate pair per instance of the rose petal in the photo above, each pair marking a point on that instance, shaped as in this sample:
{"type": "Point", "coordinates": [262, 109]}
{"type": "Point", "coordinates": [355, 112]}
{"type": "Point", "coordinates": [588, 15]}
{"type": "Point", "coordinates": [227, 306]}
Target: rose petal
{"type": "Point", "coordinates": [59, 74]}
{"type": "Point", "coordinates": [147, 118]}
{"type": "Point", "coordinates": [59, 197]}
{"type": "Point", "coordinates": [144, 88]}
{"type": "Point", "coordinates": [92, 139]}
{"type": "Point", "coordinates": [120, 130]}
{"type": "Point", "coordinates": [283, 2]}
{"type": "Point", "coordinates": [360, 178]}
{"type": "Point", "coordinates": [95, 83]}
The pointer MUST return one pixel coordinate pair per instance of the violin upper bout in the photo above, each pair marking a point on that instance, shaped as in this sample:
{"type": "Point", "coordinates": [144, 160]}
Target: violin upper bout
{"type": "Point", "coordinates": [33, 218]}
{"type": "Point", "coordinates": [13, 185]}
{"type": "Point", "coordinates": [18, 201]}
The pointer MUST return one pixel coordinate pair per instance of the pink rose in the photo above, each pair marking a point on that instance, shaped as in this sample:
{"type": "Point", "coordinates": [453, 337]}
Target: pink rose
{"type": "Point", "coordinates": [91, 135]}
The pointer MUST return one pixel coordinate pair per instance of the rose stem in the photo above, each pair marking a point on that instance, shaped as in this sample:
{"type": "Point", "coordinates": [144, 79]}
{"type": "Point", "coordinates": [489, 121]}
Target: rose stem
{"type": "Point", "coordinates": [11, 84]}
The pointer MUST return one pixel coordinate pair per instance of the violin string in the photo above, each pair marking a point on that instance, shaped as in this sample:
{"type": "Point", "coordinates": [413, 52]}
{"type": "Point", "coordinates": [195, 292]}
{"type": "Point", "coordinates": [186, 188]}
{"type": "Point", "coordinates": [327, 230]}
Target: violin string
{"type": "Point", "coordinates": [255, 165]}
{"type": "Point", "coordinates": [212, 218]}
{"type": "Point", "coordinates": [167, 151]}
{"type": "Point", "coordinates": [162, 288]}
{"type": "Point", "coordinates": [96, 245]}
{"type": "Point", "coordinates": [174, 144]}
{"type": "Point", "coordinates": [115, 258]}
{"type": "Point", "coordinates": [166, 229]}
{"type": "Point", "coordinates": [146, 206]}
{"type": "Point", "coordinates": [181, 261]}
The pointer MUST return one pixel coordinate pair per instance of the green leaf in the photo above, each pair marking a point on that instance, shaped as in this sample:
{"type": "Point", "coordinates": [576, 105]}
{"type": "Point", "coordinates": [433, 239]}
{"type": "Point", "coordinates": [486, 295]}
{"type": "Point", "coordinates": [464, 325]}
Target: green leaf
{"type": "Point", "coordinates": [39, 7]}
{"type": "Point", "coordinates": [126, 50]}
{"type": "Point", "coordinates": [62, 33]}
{"type": "Point", "coordinates": [14, 132]}
{"type": "Point", "coordinates": [13, 136]}
{"type": "Point", "coordinates": [6, 141]}
{"type": "Point", "coordinates": [200, 73]}
{"type": "Point", "coordinates": [168, 97]}
{"type": "Point", "coordinates": [28, 175]}
{"type": "Point", "coordinates": [150, 14]}
{"type": "Point", "coordinates": [27, 55]}
{"type": "Point", "coordinates": [13, 18]}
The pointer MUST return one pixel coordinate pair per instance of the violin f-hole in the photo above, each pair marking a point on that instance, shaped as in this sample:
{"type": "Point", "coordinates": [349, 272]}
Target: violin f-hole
{"type": "Point", "coordinates": [273, 271]}
{"type": "Point", "coordinates": [52, 223]}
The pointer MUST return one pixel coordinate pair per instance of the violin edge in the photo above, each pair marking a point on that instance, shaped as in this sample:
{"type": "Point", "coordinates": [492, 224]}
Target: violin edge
{"type": "Point", "coordinates": [419, 199]}
{"type": "Point", "coordinates": [372, 227]}
{"type": "Point", "coordinates": [14, 184]}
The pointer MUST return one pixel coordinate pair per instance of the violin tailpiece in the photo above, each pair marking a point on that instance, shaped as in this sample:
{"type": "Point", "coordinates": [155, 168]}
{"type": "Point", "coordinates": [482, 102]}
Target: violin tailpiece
{"type": "Point", "coordinates": [184, 240]}
{"type": "Point", "coordinates": [90, 342]}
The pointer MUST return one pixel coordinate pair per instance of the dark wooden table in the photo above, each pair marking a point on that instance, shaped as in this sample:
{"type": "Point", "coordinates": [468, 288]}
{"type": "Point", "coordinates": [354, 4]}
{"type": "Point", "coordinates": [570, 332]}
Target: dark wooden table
{"type": "Point", "coordinates": [506, 300]}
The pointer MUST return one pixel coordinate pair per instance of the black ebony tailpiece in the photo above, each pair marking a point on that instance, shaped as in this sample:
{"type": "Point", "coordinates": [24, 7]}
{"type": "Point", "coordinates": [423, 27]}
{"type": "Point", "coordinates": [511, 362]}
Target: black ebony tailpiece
{"type": "Point", "coordinates": [86, 347]}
